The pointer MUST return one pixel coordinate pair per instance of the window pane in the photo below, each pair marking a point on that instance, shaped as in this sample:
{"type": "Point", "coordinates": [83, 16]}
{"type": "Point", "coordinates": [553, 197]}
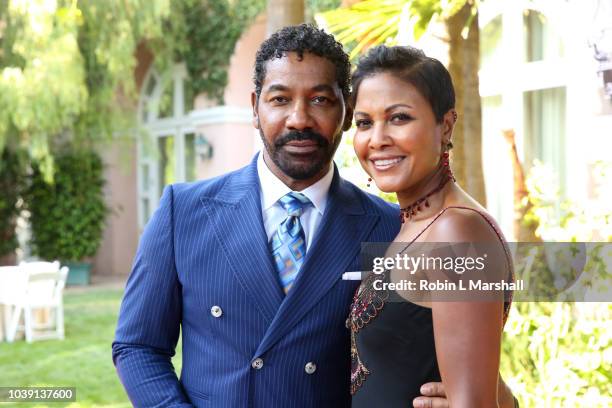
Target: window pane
{"type": "Point", "coordinates": [166, 101]}
{"type": "Point", "coordinates": [490, 43]}
{"type": "Point", "coordinates": [545, 130]}
{"type": "Point", "coordinates": [190, 157]}
{"type": "Point", "coordinates": [189, 96]}
{"type": "Point", "coordinates": [146, 211]}
{"type": "Point", "coordinates": [541, 41]}
{"type": "Point", "coordinates": [166, 161]}
{"type": "Point", "coordinates": [145, 110]}
{"type": "Point", "coordinates": [151, 84]}
{"type": "Point", "coordinates": [149, 89]}
{"type": "Point", "coordinates": [144, 169]}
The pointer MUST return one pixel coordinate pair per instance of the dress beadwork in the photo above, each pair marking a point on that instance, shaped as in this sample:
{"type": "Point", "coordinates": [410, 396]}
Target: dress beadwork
{"type": "Point", "coordinates": [367, 303]}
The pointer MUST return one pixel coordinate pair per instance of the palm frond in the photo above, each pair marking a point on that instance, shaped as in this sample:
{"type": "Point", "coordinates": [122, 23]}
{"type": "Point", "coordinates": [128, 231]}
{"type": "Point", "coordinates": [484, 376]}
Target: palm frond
{"type": "Point", "coordinates": [372, 22]}
{"type": "Point", "coordinates": [378, 35]}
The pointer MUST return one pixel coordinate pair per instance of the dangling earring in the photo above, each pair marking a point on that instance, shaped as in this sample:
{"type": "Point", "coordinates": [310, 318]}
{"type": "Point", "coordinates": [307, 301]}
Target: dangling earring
{"type": "Point", "coordinates": [446, 164]}
{"type": "Point", "coordinates": [369, 181]}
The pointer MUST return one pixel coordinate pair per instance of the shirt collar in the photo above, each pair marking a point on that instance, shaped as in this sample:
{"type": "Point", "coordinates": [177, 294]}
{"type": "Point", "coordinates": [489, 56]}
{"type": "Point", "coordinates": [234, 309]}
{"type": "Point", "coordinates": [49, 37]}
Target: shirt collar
{"type": "Point", "coordinates": [272, 188]}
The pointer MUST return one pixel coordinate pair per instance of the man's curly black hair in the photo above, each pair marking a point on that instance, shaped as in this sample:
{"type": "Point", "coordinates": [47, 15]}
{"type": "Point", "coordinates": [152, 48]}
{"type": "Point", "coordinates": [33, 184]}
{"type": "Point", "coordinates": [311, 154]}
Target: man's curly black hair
{"type": "Point", "coordinates": [299, 39]}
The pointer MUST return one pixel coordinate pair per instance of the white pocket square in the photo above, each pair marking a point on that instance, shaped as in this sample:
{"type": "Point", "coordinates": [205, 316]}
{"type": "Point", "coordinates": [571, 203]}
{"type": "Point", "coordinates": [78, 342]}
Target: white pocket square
{"type": "Point", "coordinates": [356, 275]}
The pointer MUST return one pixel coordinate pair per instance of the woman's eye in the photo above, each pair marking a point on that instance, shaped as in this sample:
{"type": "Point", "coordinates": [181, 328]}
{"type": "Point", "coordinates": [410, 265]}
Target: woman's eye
{"type": "Point", "coordinates": [279, 99]}
{"type": "Point", "coordinates": [362, 123]}
{"type": "Point", "coordinates": [401, 117]}
{"type": "Point", "coordinates": [320, 99]}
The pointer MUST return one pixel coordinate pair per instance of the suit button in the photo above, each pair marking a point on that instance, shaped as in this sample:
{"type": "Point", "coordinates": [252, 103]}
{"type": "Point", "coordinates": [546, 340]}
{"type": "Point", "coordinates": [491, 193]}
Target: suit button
{"type": "Point", "coordinates": [216, 311]}
{"type": "Point", "coordinates": [257, 364]}
{"type": "Point", "coordinates": [310, 367]}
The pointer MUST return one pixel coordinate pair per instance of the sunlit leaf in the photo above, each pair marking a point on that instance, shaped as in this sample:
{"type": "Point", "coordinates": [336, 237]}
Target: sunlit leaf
{"type": "Point", "coordinates": [371, 22]}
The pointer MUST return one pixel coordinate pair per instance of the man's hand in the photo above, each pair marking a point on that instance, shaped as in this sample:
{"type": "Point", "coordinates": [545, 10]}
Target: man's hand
{"type": "Point", "coordinates": [434, 396]}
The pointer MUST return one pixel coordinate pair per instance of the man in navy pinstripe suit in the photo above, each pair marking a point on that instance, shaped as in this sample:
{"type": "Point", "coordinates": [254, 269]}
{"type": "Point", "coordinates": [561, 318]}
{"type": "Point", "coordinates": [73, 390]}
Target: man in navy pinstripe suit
{"type": "Point", "coordinates": [204, 262]}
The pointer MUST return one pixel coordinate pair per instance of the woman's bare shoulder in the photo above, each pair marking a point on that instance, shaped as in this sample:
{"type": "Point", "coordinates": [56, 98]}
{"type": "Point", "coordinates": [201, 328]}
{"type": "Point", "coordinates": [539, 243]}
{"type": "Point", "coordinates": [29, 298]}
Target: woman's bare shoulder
{"type": "Point", "coordinates": [463, 224]}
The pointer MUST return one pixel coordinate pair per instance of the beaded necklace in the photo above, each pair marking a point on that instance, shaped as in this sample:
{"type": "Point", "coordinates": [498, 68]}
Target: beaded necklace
{"type": "Point", "coordinates": [412, 209]}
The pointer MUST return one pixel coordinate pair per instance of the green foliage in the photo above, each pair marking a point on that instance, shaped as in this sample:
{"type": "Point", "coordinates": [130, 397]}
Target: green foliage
{"type": "Point", "coordinates": [61, 66]}
{"type": "Point", "coordinates": [108, 36]}
{"type": "Point", "coordinates": [67, 67]}
{"type": "Point", "coordinates": [314, 7]}
{"type": "Point", "coordinates": [562, 219]}
{"type": "Point", "coordinates": [9, 29]}
{"type": "Point", "coordinates": [67, 216]}
{"type": "Point", "coordinates": [372, 22]}
{"type": "Point", "coordinates": [559, 354]}
{"type": "Point", "coordinates": [203, 34]}
{"type": "Point", "coordinates": [12, 184]}
{"type": "Point", "coordinates": [44, 93]}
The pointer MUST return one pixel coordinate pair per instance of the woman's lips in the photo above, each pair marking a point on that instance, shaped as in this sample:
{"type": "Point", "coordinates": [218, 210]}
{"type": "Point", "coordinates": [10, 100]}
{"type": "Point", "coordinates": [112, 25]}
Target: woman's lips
{"type": "Point", "coordinates": [301, 147]}
{"type": "Point", "coordinates": [385, 163]}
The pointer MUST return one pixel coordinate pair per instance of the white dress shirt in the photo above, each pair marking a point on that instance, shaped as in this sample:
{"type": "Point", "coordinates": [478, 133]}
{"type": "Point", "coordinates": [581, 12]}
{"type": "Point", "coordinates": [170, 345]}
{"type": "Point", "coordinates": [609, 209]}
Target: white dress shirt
{"type": "Point", "coordinates": [272, 189]}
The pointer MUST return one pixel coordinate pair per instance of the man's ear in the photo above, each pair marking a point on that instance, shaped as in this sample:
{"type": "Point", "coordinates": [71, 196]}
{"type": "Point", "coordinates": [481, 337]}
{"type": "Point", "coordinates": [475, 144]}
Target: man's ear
{"type": "Point", "coordinates": [348, 117]}
{"type": "Point", "coordinates": [254, 103]}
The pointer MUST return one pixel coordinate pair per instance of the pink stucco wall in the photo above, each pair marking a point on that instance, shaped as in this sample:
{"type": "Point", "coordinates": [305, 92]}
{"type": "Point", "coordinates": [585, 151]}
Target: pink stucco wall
{"type": "Point", "coordinates": [121, 234]}
{"type": "Point", "coordinates": [240, 75]}
{"type": "Point", "coordinates": [234, 141]}
{"type": "Point", "coordinates": [233, 145]}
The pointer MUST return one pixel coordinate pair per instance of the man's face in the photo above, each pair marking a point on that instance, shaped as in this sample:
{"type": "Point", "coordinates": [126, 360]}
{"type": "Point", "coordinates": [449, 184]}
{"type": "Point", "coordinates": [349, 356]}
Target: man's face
{"type": "Point", "coordinates": [300, 115]}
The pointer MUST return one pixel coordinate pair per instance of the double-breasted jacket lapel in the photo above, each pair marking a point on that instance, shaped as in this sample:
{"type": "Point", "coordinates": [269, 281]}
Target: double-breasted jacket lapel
{"type": "Point", "coordinates": [336, 243]}
{"type": "Point", "coordinates": [236, 217]}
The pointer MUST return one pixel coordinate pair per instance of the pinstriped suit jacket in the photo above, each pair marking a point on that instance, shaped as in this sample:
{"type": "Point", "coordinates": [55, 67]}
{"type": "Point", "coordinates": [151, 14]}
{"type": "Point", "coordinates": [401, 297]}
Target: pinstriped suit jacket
{"type": "Point", "coordinates": [206, 246]}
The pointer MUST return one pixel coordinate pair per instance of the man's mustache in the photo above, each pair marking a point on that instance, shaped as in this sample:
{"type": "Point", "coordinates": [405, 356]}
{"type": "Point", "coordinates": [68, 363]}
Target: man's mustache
{"type": "Point", "coordinates": [299, 135]}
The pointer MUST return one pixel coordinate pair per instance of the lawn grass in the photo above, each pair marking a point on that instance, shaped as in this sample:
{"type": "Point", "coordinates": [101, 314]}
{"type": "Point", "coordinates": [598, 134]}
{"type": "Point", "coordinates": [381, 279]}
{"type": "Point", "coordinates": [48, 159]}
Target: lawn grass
{"type": "Point", "coordinates": [83, 360]}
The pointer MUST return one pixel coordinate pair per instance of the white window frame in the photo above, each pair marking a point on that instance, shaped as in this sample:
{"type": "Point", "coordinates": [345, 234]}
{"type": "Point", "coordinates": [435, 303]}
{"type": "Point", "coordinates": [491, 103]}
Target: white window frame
{"type": "Point", "coordinates": [178, 125]}
{"type": "Point", "coordinates": [513, 77]}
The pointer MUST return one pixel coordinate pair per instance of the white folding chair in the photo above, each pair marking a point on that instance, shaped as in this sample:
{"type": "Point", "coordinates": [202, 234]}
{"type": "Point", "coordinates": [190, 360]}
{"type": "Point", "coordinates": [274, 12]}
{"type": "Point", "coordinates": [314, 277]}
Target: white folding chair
{"type": "Point", "coordinates": [43, 289]}
{"type": "Point", "coordinates": [12, 281]}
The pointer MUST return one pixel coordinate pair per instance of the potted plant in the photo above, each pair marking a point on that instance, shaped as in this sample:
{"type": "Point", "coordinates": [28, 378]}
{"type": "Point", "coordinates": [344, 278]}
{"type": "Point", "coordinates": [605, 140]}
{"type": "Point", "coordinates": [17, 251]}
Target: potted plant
{"type": "Point", "coordinates": [68, 215]}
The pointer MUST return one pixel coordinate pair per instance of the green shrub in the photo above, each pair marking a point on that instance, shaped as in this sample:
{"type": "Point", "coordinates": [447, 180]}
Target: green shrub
{"type": "Point", "coordinates": [12, 183]}
{"type": "Point", "coordinates": [67, 216]}
{"type": "Point", "coordinates": [559, 354]}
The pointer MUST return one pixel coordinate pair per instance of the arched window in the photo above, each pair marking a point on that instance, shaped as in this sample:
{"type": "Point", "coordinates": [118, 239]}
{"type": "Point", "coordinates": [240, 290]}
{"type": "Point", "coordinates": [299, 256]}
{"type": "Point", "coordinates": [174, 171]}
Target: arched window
{"type": "Point", "coordinates": [166, 150]}
{"type": "Point", "coordinates": [523, 81]}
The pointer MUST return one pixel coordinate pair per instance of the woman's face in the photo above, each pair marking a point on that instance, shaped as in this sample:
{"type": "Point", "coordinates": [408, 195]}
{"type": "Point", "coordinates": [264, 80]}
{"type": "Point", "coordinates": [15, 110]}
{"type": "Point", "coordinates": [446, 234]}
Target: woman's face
{"type": "Point", "coordinates": [398, 141]}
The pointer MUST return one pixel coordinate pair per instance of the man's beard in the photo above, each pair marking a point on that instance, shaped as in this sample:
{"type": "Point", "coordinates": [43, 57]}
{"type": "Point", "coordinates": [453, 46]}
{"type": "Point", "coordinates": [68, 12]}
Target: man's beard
{"type": "Point", "coordinates": [318, 160]}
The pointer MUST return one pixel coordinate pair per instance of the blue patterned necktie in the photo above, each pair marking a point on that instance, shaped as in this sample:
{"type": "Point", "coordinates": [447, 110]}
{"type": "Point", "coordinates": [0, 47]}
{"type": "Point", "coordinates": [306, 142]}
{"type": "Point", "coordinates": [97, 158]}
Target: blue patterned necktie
{"type": "Point", "coordinates": [288, 243]}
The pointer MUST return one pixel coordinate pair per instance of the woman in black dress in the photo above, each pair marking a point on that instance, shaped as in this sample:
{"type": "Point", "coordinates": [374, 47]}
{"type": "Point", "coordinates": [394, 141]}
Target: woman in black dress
{"type": "Point", "coordinates": [405, 113]}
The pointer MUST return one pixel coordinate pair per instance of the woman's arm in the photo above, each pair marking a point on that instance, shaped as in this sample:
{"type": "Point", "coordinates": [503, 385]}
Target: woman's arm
{"type": "Point", "coordinates": [468, 330]}
{"type": "Point", "coordinates": [468, 345]}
